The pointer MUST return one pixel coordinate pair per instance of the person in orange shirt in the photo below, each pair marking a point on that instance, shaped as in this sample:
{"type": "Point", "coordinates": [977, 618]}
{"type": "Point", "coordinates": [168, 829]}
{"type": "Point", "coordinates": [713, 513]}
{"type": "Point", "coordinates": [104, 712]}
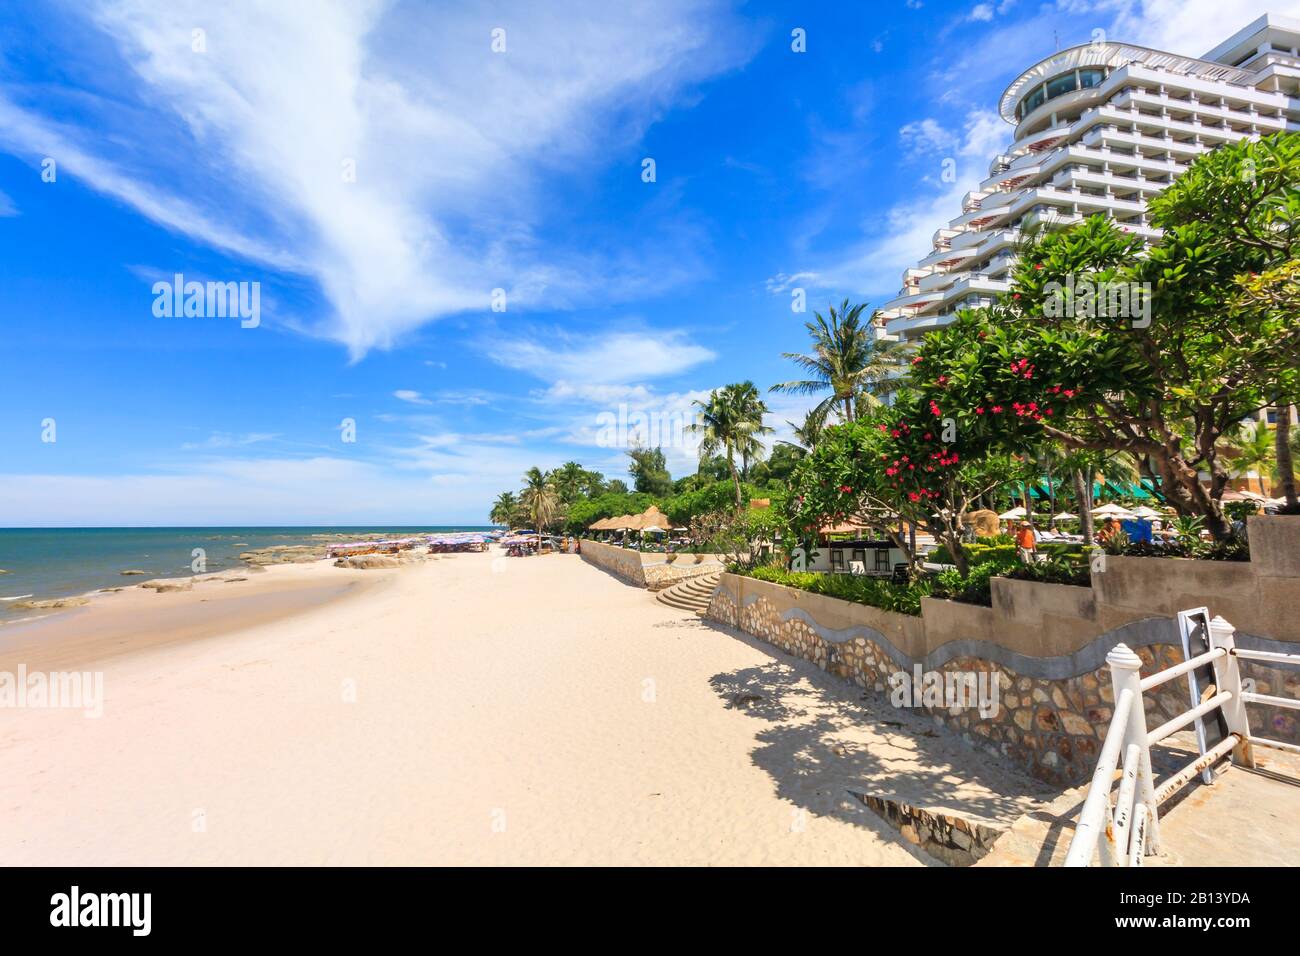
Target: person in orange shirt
{"type": "Point", "coordinates": [1026, 543]}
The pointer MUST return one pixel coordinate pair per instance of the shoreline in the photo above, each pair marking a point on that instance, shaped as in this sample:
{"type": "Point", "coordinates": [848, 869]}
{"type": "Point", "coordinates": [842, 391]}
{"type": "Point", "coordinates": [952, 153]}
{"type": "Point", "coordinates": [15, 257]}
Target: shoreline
{"type": "Point", "coordinates": [69, 565]}
{"type": "Point", "coordinates": [114, 622]}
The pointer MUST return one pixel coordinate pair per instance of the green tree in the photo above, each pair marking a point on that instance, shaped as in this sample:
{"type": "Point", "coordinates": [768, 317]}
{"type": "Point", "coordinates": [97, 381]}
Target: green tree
{"type": "Point", "coordinates": [504, 509]}
{"type": "Point", "coordinates": [848, 360]}
{"type": "Point", "coordinates": [807, 434]}
{"type": "Point", "coordinates": [1252, 449]}
{"type": "Point", "coordinates": [898, 464]}
{"type": "Point", "coordinates": [573, 482]}
{"type": "Point", "coordinates": [649, 471]}
{"type": "Point", "coordinates": [539, 500]}
{"type": "Point", "coordinates": [1166, 383]}
{"type": "Point", "coordinates": [730, 422]}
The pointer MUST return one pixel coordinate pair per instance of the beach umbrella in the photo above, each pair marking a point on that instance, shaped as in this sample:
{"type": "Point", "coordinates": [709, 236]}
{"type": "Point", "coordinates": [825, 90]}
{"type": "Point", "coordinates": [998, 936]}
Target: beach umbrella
{"type": "Point", "coordinates": [652, 529]}
{"type": "Point", "coordinates": [1111, 511]}
{"type": "Point", "coordinates": [1065, 516]}
{"type": "Point", "coordinates": [651, 516]}
{"type": "Point", "coordinates": [1142, 511]}
{"type": "Point", "coordinates": [1014, 514]}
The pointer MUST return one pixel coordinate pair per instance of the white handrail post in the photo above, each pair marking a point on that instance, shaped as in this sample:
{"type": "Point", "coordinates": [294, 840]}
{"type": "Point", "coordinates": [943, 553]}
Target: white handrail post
{"type": "Point", "coordinates": [1227, 676]}
{"type": "Point", "coordinates": [1124, 675]}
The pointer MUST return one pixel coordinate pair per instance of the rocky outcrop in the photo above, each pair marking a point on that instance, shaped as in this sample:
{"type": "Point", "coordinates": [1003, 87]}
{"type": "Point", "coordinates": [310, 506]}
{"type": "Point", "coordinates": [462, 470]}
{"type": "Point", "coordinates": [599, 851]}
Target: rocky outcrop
{"type": "Point", "coordinates": [169, 584]}
{"type": "Point", "coordinates": [51, 604]}
{"type": "Point", "coordinates": [284, 554]}
{"type": "Point", "coordinates": [371, 561]}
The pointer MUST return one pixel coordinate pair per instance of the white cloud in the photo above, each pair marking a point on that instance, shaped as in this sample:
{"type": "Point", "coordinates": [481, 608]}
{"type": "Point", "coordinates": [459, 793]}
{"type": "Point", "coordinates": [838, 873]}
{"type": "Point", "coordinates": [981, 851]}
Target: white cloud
{"type": "Point", "coordinates": [1189, 27]}
{"type": "Point", "coordinates": [7, 207]}
{"type": "Point", "coordinates": [613, 358]}
{"type": "Point", "coordinates": [415, 398]}
{"type": "Point", "coordinates": [927, 136]}
{"type": "Point", "coordinates": [875, 265]}
{"type": "Point", "coordinates": [230, 440]}
{"type": "Point", "coordinates": [247, 144]}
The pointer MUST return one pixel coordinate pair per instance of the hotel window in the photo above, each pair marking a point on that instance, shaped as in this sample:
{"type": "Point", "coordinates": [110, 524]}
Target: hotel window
{"type": "Point", "coordinates": [1033, 101]}
{"type": "Point", "coordinates": [1062, 85]}
{"type": "Point", "coordinates": [1090, 78]}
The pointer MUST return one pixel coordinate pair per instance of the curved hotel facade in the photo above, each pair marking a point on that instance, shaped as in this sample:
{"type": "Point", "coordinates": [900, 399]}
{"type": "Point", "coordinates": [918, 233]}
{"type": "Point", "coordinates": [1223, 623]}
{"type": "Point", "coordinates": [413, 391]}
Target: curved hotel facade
{"type": "Point", "coordinates": [1099, 129]}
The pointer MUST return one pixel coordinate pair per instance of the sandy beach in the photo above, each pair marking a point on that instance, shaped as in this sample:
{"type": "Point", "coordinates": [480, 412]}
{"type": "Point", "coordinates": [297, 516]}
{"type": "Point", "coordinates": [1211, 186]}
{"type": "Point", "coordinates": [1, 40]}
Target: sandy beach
{"type": "Point", "coordinates": [469, 710]}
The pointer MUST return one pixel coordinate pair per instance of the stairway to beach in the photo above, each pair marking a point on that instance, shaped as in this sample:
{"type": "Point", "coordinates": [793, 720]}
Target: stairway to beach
{"type": "Point", "coordinates": [693, 594]}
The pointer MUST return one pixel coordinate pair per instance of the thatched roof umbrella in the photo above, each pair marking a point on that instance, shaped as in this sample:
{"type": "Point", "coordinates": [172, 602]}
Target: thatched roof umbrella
{"type": "Point", "coordinates": [652, 517]}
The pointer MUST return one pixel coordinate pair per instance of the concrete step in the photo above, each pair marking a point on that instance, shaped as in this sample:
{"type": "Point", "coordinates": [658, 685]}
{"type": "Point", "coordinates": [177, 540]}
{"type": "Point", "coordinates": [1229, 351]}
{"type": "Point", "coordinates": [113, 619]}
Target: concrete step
{"type": "Point", "coordinates": [693, 594]}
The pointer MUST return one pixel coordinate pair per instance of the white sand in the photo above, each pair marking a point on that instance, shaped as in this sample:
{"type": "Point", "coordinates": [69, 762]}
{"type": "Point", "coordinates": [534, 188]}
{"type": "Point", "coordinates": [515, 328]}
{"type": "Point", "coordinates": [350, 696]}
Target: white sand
{"type": "Point", "coordinates": [528, 711]}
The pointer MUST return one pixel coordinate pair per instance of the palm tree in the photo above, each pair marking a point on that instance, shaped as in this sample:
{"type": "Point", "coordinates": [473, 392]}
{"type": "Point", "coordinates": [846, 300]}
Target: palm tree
{"type": "Point", "coordinates": [1253, 449]}
{"type": "Point", "coordinates": [539, 500]}
{"type": "Point", "coordinates": [848, 360]}
{"type": "Point", "coordinates": [731, 421]}
{"type": "Point", "coordinates": [571, 481]}
{"type": "Point", "coordinates": [504, 509]}
{"type": "Point", "coordinates": [809, 433]}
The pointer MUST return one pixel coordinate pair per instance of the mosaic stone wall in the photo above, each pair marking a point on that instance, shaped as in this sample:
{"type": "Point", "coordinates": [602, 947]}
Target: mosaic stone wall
{"type": "Point", "coordinates": [1050, 726]}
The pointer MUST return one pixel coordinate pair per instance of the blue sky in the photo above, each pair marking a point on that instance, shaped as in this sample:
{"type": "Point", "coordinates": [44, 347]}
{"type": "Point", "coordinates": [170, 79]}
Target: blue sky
{"type": "Point", "coordinates": [225, 156]}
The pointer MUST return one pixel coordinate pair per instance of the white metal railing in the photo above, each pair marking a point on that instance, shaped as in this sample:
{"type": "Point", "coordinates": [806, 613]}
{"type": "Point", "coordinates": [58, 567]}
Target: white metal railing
{"type": "Point", "coordinates": [1123, 833]}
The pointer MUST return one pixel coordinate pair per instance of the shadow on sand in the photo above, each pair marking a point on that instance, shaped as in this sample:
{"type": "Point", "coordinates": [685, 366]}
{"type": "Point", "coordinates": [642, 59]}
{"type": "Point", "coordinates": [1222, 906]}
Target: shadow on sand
{"type": "Point", "coordinates": [825, 737]}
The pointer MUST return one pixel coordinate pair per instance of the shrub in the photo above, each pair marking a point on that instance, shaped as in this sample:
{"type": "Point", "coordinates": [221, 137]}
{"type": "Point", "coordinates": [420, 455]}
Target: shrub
{"type": "Point", "coordinates": [978, 553]}
{"type": "Point", "coordinates": [875, 592]}
{"type": "Point", "coordinates": [974, 589]}
{"type": "Point", "coordinates": [1053, 572]}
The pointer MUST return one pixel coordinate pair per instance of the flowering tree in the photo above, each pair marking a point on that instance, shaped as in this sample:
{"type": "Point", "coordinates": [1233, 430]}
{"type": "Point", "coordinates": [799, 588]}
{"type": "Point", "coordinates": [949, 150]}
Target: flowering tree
{"type": "Point", "coordinates": [905, 464]}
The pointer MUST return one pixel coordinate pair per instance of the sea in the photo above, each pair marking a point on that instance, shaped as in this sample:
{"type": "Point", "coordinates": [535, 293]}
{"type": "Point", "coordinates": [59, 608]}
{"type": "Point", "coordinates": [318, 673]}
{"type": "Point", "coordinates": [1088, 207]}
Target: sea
{"type": "Point", "coordinates": [44, 563]}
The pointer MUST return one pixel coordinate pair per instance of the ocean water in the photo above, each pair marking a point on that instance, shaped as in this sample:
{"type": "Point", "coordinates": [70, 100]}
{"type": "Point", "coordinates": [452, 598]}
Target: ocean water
{"type": "Point", "coordinates": [41, 563]}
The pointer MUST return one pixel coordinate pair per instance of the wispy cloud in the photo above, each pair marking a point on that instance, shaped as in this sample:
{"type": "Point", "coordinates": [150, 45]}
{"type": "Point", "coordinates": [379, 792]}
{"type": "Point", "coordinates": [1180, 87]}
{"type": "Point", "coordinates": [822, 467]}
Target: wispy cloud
{"type": "Point", "coordinates": [612, 358]}
{"type": "Point", "coordinates": [391, 156]}
{"type": "Point", "coordinates": [874, 265]}
{"type": "Point", "coordinates": [222, 440]}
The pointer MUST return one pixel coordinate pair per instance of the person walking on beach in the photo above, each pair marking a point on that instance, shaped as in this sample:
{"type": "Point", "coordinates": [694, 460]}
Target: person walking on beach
{"type": "Point", "coordinates": [1026, 543]}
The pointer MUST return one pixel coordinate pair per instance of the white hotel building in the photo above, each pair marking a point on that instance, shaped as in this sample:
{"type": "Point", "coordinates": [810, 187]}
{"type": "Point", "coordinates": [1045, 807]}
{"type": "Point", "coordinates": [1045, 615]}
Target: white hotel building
{"type": "Point", "coordinates": [1099, 129]}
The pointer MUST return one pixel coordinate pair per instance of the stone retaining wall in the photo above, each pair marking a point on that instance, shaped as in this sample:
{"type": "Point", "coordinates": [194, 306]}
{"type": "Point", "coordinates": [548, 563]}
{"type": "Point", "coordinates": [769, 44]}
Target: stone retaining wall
{"type": "Point", "coordinates": [1045, 645]}
{"type": "Point", "coordinates": [650, 570]}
